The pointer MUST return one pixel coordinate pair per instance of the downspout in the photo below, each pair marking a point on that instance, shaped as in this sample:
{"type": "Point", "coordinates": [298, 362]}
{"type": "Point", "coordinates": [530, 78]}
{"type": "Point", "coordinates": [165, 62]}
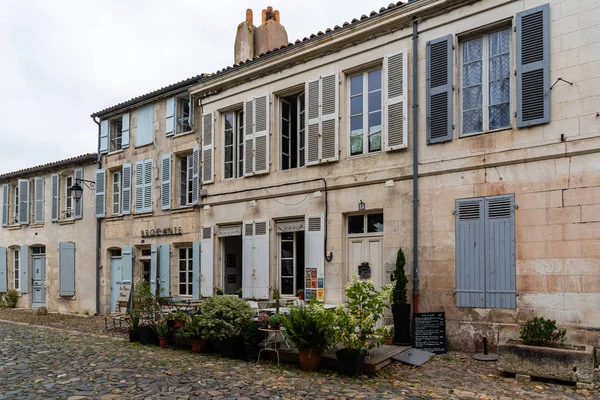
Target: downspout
{"type": "Point", "coordinates": [98, 231]}
{"type": "Point", "coordinates": [415, 118]}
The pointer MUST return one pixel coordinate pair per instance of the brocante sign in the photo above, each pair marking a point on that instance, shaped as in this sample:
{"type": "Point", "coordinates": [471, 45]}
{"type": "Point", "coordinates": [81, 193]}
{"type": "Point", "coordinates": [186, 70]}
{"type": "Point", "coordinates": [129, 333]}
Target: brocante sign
{"type": "Point", "coordinates": [161, 232]}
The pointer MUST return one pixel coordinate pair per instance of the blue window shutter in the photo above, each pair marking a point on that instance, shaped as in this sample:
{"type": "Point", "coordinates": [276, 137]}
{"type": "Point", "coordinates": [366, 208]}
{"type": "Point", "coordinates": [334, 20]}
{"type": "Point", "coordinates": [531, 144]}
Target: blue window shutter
{"type": "Point", "coordinates": [78, 214]}
{"type": "Point", "coordinates": [170, 117]}
{"type": "Point", "coordinates": [196, 271]}
{"type": "Point", "coordinates": [153, 267]}
{"type": "Point", "coordinates": [24, 267]}
{"type": "Point", "coordinates": [126, 189]}
{"type": "Point", "coordinates": [125, 131]}
{"type": "Point", "coordinates": [207, 261]}
{"type": "Point", "coordinates": [5, 203]}
{"type": "Point", "coordinates": [500, 284]}
{"type": "Point", "coordinates": [147, 206]}
{"type": "Point", "coordinates": [100, 193]}
{"type": "Point", "coordinates": [145, 125]}
{"type": "Point", "coordinates": [66, 266]}
{"type": "Point", "coordinates": [165, 182]}
{"type": "Point", "coordinates": [24, 201]}
{"type": "Point", "coordinates": [533, 66]}
{"type": "Point", "coordinates": [208, 145]}
{"type": "Point", "coordinates": [139, 186]}
{"type": "Point", "coordinates": [3, 271]}
{"type": "Point", "coordinates": [195, 173]}
{"type": "Point", "coordinates": [439, 89]}
{"type": "Point", "coordinates": [165, 269]}
{"type": "Point", "coordinates": [127, 263]}
{"type": "Point", "coordinates": [470, 253]}
{"type": "Point", "coordinates": [38, 199]}
{"type": "Point", "coordinates": [104, 136]}
{"type": "Point", "coordinates": [55, 197]}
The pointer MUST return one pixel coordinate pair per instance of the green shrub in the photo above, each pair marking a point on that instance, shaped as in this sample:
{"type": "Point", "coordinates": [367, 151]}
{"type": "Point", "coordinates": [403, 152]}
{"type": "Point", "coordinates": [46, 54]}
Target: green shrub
{"type": "Point", "coordinates": [252, 336]}
{"type": "Point", "coordinates": [400, 280]}
{"type": "Point", "coordinates": [194, 329]}
{"type": "Point", "coordinates": [539, 331]}
{"type": "Point", "coordinates": [9, 299]}
{"type": "Point", "coordinates": [225, 316]}
{"type": "Point", "coordinates": [309, 327]}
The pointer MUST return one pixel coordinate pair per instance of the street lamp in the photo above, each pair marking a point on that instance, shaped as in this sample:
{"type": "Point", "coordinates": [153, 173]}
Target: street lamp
{"type": "Point", "coordinates": [77, 190]}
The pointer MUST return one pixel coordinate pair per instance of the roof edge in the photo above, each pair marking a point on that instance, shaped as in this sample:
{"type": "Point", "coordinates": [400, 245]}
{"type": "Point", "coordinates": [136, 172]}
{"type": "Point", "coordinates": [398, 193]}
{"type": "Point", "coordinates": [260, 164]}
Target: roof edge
{"type": "Point", "coordinates": [84, 159]}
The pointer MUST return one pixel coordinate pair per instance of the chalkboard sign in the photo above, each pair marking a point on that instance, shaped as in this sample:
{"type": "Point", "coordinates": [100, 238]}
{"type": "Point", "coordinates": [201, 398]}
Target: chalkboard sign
{"type": "Point", "coordinates": [430, 332]}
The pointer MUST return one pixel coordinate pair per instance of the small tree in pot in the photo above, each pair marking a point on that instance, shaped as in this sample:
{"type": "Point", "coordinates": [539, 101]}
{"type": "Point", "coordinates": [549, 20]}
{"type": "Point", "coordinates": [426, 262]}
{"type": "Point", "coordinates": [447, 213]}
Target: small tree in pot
{"type": "Point", "coordinates": [134, 324]}
{"type": "Point", "coordinates": [400, 306]}
{"type": "Point", "coordinates": [194, 332]}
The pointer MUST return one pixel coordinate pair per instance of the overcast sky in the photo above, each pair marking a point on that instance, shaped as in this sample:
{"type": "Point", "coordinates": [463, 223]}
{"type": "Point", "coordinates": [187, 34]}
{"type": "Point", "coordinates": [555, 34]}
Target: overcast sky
{"type": "Point", "coordinates": [62, 60]}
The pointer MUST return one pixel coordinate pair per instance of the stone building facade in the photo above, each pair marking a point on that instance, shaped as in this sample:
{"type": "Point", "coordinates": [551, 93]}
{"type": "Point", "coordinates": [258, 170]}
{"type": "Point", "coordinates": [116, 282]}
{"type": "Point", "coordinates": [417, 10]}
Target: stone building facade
{"type": "Point", "coordinates": [299, 167]}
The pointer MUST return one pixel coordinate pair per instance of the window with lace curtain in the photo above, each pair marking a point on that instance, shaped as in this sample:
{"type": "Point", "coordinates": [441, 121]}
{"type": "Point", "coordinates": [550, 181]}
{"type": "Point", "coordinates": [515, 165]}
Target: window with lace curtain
{"type": "Point", "coordinates": [485, 82]}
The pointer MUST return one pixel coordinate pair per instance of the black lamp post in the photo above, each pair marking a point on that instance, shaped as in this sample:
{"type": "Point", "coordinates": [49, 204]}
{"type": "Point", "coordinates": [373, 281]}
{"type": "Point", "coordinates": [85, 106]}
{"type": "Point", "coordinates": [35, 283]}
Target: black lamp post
{"type": "Point", "coordinates": [77, 190]}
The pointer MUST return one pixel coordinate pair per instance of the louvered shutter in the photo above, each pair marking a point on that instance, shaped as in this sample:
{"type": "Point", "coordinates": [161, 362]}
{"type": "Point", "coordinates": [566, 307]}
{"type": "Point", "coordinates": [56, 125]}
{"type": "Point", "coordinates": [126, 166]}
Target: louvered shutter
{"type": "Point", "coordinates": [165, 183]}
{"type": "Point", "coordinates": [170, 117]}
{"type": "Point", "coordinates": [533, 66]}
{"type": "Point", "coordinates": [3, 271]}
{"type": "Point", "coordinates": [208, 140]}
{"type": "Point", "coordinates": [395, 85]}
{"type": "Point", "coordinates": [78, 214]}
{"type": "Point", "coordinates": [314, 247]}
{"type": "Point", "coordinates": [164, 264]}
{"type": "Point", "coordinates": [148, 185]}
{"type": "Point", "coordinates": [312, 121]}
{"type": "Point", "coordinates": [207, 262]}
{"type": "Point", "coordinates": [191, 118]}
{"type": "Point", "coordinates": [196, 271]}
{"type": "Point", "coordinates": [195, 174]}
{"type": "Point", "coordinates": [127, 263]}
{"type": "Point", "coordinates": [38, 198]}
{"type": "Point", "coordinates": [5, 202]}
{"type": "Point", "coordinates": [261, 260]}
{"type": "Point", "coordinates": [261, 134]}
{"type": "Point", "coordinates": [125, 130]}
{"type": "Point", "coordinates": [470, 253]}
{"type": "Point", "coordinates": [100, 194]}
{"type": "Point", "coordinates": [55, 200]}
{"type": "Point", "coordinates": [500, 277]}
{"type": "Point", "coordinates": [439, 90]}
{"type": "Point", "coordinates": [247, 259]}
{"type": "Point", "coordinates": [24, 201]}
{"type": "Point", "coordinates": [126, 189]}
{"type": "Point", "coordinates": [153, 267]}
{"type": "Point", "coordinates": [66, 266]}
{"type": "Point", "coordinates": [24, 269]}
{"type": "Point", "coordinates": [248, 137]}
{"type": "Point", "coordinates": [139, 186]}
{"type": "Point", "coordinates": [104, 136]}
{"type": "Point", "coordinates": [329, 118]}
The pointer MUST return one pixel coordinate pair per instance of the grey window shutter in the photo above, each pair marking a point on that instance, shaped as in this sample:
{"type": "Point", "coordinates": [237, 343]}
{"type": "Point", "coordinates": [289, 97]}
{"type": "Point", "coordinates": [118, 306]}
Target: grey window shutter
{"type": "Point", "coordinates": [24, 201]}
{"type": "Point", "coordinates": [127, 263]}
{"type": "Point", "coordinates": [144, 125]}
{"type": "Point", "coordinates": [192, 108]}
{"type": "Point", "coordinates": [100, 194]}
{"type": "Point", "coordinates": [533, 66]}
{"type": "Point", "coordinates": [78, 214]}
{"type": "Point", "coordinates": [3, 271]}
{"type": "Point", "coordinates": [165, 183]}
{"type": "Point", "coordinates": [153, 267]}
{"type": "Point", "coordinates": [196, 271]}
{"type": "Point", "coordinates": [125, 130]}
{"type": "Point", "coordinates": [470, 253]}
{"type": "Point", "coordinates": [248, 260]}
{"type": "Point", "coordinates": [395, 85]}
{"type": "Point", "coordinates": [208, 140]}
{"type": "Point", "coordinates": [5, 203]}
{"type": "Point", "coordinates": [104, 136]}
{"type": "Point", "coordinates": [249, 137]}
{"type": "Point", "coordinates": [195, 173]}
{"type": "Point", "coordinates": [126, 189]}
{"type": "Point", "coordinates": [170, 117]}
{"type": "Point", "coordinates": [139, 186]}
{"type": "Point", "coordinates": [165, 269]}
{"type": "Point", "coordinates": [55, 200]}
{"type": "Point", "coordinates": [313, 117]}
{"type": "Point", "coordinates": [330, 122]}
{"type": "Point", "coordinates": [261, 134]}
{"type": "Point", "coordinates": [38, 207]}
{"type": "Point", "coordinates": [500, 283]}
{"type": "Point", "coordinates": [24, 268]}
{"type": "Point", "coordinates": [147, 185]}
{"type": "Point", "coordinates": [439, 90]}
{"type": "Point", "coordinates": [66, 266]}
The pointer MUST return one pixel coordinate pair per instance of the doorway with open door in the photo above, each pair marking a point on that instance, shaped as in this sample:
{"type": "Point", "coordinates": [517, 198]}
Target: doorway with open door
{"type": "Point", "coordinates": [231, 256]}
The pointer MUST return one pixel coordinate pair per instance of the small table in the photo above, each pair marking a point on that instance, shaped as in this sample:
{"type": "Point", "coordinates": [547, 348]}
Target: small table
{"type": "Point", "coordinates": [271, 338]}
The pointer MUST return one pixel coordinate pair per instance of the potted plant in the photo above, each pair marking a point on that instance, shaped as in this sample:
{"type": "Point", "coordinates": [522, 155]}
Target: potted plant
{"type": "Point", "coordinates": [194, 332]}
{"type": "Point", "coordinates": [300, 294]}
{"type": "Point", "coordinates": [219, 291]}
{"type": "Point", "coordinates": [400, 306]}
{"type": "Point", "coordinates": [275, 321]}
{"type": "Point", "coordinates": [388, 333]}
{"type": "Point", "coordinates": [170, 320]}
{"type": "Point", "coordinates": [541, 353]}
{"type": "Point", "coordinates": [134, 324]}
{"type": "Point", "coordinates": [252, 337]}
{"type": "Point", "coordinates": [181, 319]}
{"type": "Point", "coordinates": [224, 318]}
{"type": "Point", "coordinates": [355, 325]}
{"type": "Point", "coordinates": [162, 330]}
{"type": "Point", "coordinates": [239, 292]}
{"type": "Point", "coordinates": [310, 328]}
{"type": "Point", "coordinates": [147, 303]}
{"type": "Point", "coordinates": [263, 320]}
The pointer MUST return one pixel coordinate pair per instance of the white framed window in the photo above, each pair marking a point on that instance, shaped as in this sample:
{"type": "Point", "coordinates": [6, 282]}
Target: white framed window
{"type": "Point", "coordinates": [116, 193]}
{"type": "Point", "coordinates": [292, 131]}
{"type": "Point", "coordinates": [365, 224]}
{"type": "Point", "coordinates": [69, 201]}
{"type": "Point", "coordinates": [17, 268]}
{"type": "Point", "coordinates": [485, 82]}
{"type": "Point", "coordinates": [115, 132]}
{"type": "Point", "coordinates": [183, 110]}
{"type": "Point", "coordinates": [186, 180]}
{"type": "Point", "coordinates": [186, 271]}
{"type": "Point", "coordinates": [291, 262]}
{"type": "Point", "coordinates": [233, 144]}
{"type": "Point", "coordinates": [365, 100]}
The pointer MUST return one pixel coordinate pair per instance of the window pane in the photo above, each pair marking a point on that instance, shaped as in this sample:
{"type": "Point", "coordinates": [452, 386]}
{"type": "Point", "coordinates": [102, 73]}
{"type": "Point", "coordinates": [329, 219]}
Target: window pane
{"type": "Point", "coordinates": [499, 67]}
{"type": "Point", "coordinates": [356, 224]}
{"type": "Point", "coordinates": [472, 74]}
{"type": "Point", "coordinates": [500, 42]}
{"type": "Point", "coordinates": [229, 170]}
{"type": "Point", "coordinates": [287, 249]}
{"type": "Point", "coordinates": [374, 80]}
{"type": "Point", "coordinates": [500, 116]}
{"type": "Point", "coordinates": [499, 92]}
{"type": "Point", "coordinates": [356, 84]}
{"type": "Point", "coordinates": [228, 138]}
{"type": "Point", "coordinates": [182, 276]}
{"type": "Point", "coordinates": [287, 236]}
{"type": "Point", "coordinates": [182, 289]}
{"type": "Point", "coordinates": [287, 267]}
{"type": "Point", "coordinates": [472, 50]}
{"type": "Point", "coordinates": [287, 286]}
{"type": "Point", "coordinates": [228, 121]}
{"type": "Point", "coordinates": [190, 277]}
{"type": "Point", "coordinates": [375, 101]}
{"type": "Point", "coordinates": [229, 153]}
{"type": "Point", "coordinates": [356, 145]}
{"type": "Point", "coordinates": [375, 122]}
{"type": "Point", "coordinates": [356, 105]}
{"type": "Point", "coordinates": [375, 142]}
{"type": "Point", "coordinates": [472, 121]}
{"type": "Point", "coordinates": [356, 125]}
{"type": "Point", "coordinates": [375, 223]}
{"type": "Point", "coordinates": [285, 144]}
{"type": "Point", "coordinates": [472, 97]}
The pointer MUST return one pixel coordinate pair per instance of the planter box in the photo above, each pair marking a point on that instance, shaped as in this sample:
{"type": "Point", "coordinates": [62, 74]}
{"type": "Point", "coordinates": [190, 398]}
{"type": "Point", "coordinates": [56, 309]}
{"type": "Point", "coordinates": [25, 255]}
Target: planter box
{"type": "Point", "coordinates": [566, 363]}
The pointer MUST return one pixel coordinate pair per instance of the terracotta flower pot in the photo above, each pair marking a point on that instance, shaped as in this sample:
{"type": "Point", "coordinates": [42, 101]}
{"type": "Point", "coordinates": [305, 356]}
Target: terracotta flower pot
{"type": "Point", "coordinates": [312, 363]}
{"type": "Point", "coordinates": [163, 341]}
{"type": "Point", "coordinates": [179, 324]}
{"type": "Point", "coordinates": [198, 346]}
{"type": "Point", "coordinates": [389, 340]}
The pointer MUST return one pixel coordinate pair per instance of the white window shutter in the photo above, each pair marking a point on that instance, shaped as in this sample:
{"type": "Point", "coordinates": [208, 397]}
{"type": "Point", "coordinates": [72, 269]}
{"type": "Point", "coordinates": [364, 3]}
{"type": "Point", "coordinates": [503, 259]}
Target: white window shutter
{"type": "Point", "coordinates": [100, 194]}
{"type": "Point", "coordinates": [164, 255]}
{"type": "Point", "coordinates": [195, 173]}
{"type": "Point", "coordinates": [261, 260]}
{"type": "Point", "coordinates": [313, 117]}
{"type": "Point", "coordinates": [78, 214]}
{"type": "Point", "coordinates": [208, 140]}
{"type": "Point", "coordinates": [395, 125]}
{"type": "Point", "coordinates": [261, 134]}
{"type": "Point", "coordinates": [207, 262]}
{"type": "Point", "coordinates": [139, 186]}
{"type": "Point", "coordinates": [104, 136]}
{"type": "Point", "coordinates": [330, 122]}
{"type": "Point", "coordinates": [170, 117]}
{"type": "Point", "coordinates": [153, 268]}
{"type": "Point", "coordinates": [126, 189]}
{"type": "Point", "coordinates": [314, 247]}
{"type": "Point", "coordinates": [55, 197]}
{"type": "Point", "coordinates": [165, 183]}
{"type": "Point", "coordinates": [147, 185]}
{"type": "Point", "coordinates": [3, 271]}
{"type": "Point", "coordinates": [125, 131]}
{"type": "Point", "coordinates": [196, 271]}
{"type": "Point", "coordinates": [249, 137]}
{"type": "Point", "coordinates": [24, 201]}
{"type": "Point", "coordinates": [38, 207]}
{"type": "Point", "coordinates": [247, 259]}
{"type": "Point", "coordinates": [5, 203]}
{"type": "Point", "coordinates": [192, 108]}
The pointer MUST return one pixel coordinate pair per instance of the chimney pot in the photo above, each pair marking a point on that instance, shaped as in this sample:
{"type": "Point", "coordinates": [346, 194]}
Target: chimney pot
{"type": "Point", "coordinates": [264, 16]}
{"type": "Point", "coordinates": [249, 16]}
{"type": "Point", "coordinates": [277, 16]}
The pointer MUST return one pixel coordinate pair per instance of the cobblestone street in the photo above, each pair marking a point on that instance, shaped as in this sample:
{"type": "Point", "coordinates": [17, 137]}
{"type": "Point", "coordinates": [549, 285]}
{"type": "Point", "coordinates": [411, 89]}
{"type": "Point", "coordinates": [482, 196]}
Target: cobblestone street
{"type": "Point", "coordinates": [40, 362]}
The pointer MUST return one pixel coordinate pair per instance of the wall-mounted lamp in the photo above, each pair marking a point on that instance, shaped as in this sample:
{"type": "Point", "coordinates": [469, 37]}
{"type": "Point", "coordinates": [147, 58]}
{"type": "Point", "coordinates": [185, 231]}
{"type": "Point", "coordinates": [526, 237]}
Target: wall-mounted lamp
{"type": "Point", "coordinates": [390, 183]}
{"type": "Point", "coordinates": [317, 194]}
{"type": "Point", "coordinates": [77, 190]}
{"type": "Point", "coordinates": [252, 203]}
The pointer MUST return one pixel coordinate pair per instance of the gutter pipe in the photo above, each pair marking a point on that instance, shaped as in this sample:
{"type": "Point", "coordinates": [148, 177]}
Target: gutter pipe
{"type": "Point", "coordinates": [98, 230]}
{"type": "Point", "coordinates": [415, 118]}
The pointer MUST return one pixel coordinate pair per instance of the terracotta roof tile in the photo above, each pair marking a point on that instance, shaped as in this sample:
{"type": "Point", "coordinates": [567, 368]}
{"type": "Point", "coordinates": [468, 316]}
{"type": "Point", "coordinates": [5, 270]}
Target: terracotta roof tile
{"type": "Point", "coordinates": [84, 159]}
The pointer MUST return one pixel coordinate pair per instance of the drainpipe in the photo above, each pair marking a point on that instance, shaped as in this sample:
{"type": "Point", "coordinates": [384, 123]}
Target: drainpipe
{"type": "Point", "coordinates": [415, 107]}
{"type": "Point", "coordinates": [98, 231]}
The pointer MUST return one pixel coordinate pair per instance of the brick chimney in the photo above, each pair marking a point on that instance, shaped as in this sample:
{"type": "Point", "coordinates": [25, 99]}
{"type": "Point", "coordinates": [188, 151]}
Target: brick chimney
{"type": "Point", "coordinates": [271, 34]}
{"type": "Point", "coordinates": [244, 39]}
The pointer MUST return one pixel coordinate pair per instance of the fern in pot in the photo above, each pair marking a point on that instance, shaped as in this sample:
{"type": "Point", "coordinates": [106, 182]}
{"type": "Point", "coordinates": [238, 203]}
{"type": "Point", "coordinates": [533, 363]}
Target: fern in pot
{"type": "Point", "coordinates": [194, 332]}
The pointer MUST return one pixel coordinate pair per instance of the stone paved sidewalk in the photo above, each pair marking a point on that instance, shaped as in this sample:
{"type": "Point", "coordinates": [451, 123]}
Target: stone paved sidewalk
{"type": "Point", "coordinates": [40, 362]}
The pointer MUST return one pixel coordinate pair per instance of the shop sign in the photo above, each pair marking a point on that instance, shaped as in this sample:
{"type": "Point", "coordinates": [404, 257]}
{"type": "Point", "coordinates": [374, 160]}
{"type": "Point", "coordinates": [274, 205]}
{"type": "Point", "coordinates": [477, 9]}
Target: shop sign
{"type": "Point", "coordinates": [161, 232]}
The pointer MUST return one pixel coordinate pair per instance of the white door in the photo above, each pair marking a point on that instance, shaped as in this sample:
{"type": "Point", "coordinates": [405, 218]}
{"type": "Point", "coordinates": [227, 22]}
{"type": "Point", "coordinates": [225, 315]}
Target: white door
{"type": "Point", "coordinates": [366, 250]}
